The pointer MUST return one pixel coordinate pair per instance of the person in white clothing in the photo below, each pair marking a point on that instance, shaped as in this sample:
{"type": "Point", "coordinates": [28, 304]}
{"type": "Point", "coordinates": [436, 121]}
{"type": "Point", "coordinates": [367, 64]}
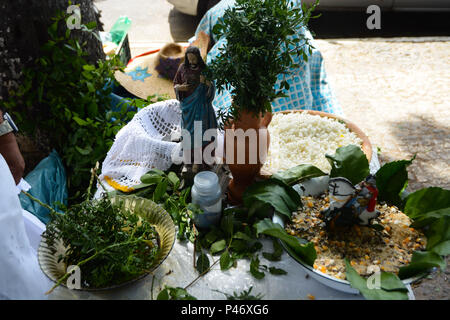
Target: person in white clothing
{"type": "Point", "coordinates": [20, 274]}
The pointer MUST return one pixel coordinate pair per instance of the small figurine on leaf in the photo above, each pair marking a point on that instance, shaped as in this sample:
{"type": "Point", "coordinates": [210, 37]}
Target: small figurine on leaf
{"type": "Point", "coordinates": [351, 205]}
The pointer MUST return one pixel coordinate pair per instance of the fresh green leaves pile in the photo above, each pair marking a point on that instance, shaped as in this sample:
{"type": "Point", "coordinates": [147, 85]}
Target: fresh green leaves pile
{"type": "Point", "coordinates": [110, 244]}
{"type": "Point", "coordinates": [66, 100]}
{"type": "Point", "coordinates": [239, 233]}
{"type": "Point", "coordinates": [429, 208]}
{"type": "Point", "coordinates": [240, 229]}
{"type": "Point", "coordinates": [263, 42]}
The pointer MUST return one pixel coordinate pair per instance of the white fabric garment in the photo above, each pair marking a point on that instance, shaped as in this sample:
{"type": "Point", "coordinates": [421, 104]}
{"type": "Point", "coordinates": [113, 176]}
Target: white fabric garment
{"type": "Point", "coordinates": [144, 143]}
{"type": "Point", "coordinates": [34, 228]}
{"type": "Point", "coordinates": [20, 274]}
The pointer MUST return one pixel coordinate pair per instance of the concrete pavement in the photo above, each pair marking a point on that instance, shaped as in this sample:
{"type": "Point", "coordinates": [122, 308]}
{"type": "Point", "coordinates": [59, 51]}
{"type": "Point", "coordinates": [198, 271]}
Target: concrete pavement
{"type": "Point", "coordinates": [154, 22]}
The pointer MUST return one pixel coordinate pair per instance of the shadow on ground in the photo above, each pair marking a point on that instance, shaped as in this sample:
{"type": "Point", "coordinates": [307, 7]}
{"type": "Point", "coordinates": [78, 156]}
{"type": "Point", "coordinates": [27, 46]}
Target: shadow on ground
{"type": "Point", "coordinates": [430, 141]}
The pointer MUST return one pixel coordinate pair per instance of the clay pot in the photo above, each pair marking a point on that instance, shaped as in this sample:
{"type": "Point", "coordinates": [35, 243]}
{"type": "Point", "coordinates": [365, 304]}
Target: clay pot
{"type": "Point", "coordinates": [255, 150]}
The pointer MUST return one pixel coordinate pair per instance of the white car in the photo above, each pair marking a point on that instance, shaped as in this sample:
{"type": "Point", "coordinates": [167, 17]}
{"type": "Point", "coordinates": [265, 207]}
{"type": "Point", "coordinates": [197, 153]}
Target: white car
{"type": "Point", "coordinates": [191, 7]}
{"type": "Point", "coordinates": [198, 7]}
{"type": "Point", "coordinates": [394, 5]}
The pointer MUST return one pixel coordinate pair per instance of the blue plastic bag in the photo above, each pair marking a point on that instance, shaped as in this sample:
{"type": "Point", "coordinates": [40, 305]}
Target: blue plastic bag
{"type": "Point", "coordinates": [48, 184]}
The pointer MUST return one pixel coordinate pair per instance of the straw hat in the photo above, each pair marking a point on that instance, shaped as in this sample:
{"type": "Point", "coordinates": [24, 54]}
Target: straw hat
{"type": "Point", "coordinates": [153, 73]}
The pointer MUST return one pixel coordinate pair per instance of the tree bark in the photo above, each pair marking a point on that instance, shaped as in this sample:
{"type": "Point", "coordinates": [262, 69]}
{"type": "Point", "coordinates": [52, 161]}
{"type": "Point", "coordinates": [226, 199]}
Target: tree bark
{"type": "Point", "coordinates": [23, 30]}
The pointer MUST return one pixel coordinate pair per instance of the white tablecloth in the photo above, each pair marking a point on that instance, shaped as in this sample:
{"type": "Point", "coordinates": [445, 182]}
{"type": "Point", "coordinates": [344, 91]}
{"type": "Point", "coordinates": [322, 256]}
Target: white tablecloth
{"type": "Point", "coordinates": [178, 271]}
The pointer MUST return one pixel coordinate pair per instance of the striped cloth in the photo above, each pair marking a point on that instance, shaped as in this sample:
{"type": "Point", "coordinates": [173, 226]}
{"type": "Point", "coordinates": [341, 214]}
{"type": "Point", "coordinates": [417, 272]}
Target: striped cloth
{"type": "Point", "coordinates": [309, 87]}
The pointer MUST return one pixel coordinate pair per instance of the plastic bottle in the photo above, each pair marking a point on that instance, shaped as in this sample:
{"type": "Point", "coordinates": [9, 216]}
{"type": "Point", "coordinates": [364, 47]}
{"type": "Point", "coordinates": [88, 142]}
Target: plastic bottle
{"type": "Point", "coordinates": [120, 29]}
{"type": "Point", "coordinates": [206, 192]}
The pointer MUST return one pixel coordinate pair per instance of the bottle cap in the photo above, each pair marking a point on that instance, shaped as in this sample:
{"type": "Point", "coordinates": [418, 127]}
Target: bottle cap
{"type": "Point", "coordinates": [206, 181]}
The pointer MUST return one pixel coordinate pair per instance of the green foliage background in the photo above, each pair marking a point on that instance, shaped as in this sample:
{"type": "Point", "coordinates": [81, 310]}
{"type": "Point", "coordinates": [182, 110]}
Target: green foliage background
{"type": "Point", "coordinates": [262, 40]}
{"type": "Point", "coordinates": [65, 100]}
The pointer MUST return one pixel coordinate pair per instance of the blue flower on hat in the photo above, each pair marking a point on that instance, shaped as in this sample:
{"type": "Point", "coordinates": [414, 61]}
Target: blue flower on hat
{"type": "Point", "coordinates": [139, 74]}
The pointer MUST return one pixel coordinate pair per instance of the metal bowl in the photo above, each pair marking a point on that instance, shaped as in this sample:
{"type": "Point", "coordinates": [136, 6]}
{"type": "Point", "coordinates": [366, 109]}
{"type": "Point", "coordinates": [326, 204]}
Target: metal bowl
{"type": "Point", "coordinates": [315, 187]}
{"type": "Point", "coordinates": [147, 209]}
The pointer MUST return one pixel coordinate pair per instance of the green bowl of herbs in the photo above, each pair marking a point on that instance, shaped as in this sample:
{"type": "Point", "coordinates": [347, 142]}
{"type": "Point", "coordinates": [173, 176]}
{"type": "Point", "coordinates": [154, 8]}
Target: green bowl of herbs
{"type": "Point", "coordinates": [113, 242]}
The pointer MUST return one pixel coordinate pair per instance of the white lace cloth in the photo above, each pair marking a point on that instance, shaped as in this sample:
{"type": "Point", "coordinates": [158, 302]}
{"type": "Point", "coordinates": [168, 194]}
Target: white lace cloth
{"type": "Point", "coordinates": [144, 143]}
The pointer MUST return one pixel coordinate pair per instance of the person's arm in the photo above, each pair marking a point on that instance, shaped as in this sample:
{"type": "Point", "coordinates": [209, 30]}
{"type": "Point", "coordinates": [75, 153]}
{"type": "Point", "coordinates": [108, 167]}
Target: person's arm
{"type": "Point", "coordinates": [178, 83]}
{"type": "Point", "coordinates": [9, 149]}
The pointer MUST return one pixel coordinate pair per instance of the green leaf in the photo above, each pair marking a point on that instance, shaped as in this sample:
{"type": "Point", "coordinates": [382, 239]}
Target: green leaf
{"type": "Point", "coordinates": [80, 121]}
{"type": "Point", "coordinates": [218, 246]}
{"type": "Point", "coordinates": [429, 217]}
{"type": "Point", "coordinates": [425, 200]}
{"type": "Point", "coordinates": [226, 224]}
{"type": "Point", "coordinates": [212, 236]}
{"type": "Point", "coordinates": [298, 173]}
{"type": "Point", "coordinates": [254, 268]}
{"type": "Point", "coordinates": [242, 236]}
{"type": "Point", "coordinates": [276, 271]}
{"type": "Point", "coordinates": [90, 86]}
{"type": "Point", "coordinates": [202, 263]}
{"type": "Point", "coordinates": [163, 295]}
{"type": "Point", "coordinates": [390, 282]}
{"type": "Point", "coordinates": [438, 232]}
{"type": "Point", "coordinates": [442, 248]}
{"type": "Point", "coordinates": [260, 209]}
{"type": "Point", "coordinates": [301, 248]}
{"type": "Point", "coordinates": [421, 262]}
{"type": "Point", "coordinates": [143, 186]}
{"type": "Point", "coordinates": [156, 171]}
{"type": "Point", "coordinates": [91, 25]}
{"type": "Point", "coordinates": [225, 261]}
{"type": "Point", "coordinates": [392, 179]}
{"type": "Point", "coordinates": [239, 246]}
{"type": "Point", "coordinates": [160, 190]}
{"type": "Point", "coordinates": [283, 198]}
{"type": "Point", "coordinates": [349, 162]}
{"type": "Point", "coordinates": [181, 294]}
{"type": "Point", "coordinates": [85, 151]}
{"type": "Point", "coordinates": [174, 180]}
{"type": "Point", "coordinates": [178, 293]}
{"type": "Point", "coordinates": [391, 288]}
{"type": "Point", "coordinates": [151, 179]}
{"type": "Point", "coordinates": [88, 67]}
{"type": "Point", "coordinates": [277, 252]}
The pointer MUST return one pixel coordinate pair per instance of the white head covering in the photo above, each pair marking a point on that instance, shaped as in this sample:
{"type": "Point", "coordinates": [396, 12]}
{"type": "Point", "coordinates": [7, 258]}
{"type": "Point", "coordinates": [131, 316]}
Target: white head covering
{"type": "Point", "coordinates": [20, 274]}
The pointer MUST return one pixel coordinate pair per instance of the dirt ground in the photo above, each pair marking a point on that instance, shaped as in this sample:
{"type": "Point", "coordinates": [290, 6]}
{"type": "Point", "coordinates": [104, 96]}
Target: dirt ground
{"type": "Point", "coordinates": [398, 93]}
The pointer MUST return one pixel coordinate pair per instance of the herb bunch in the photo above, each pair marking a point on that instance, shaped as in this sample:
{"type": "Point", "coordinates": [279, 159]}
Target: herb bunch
{"type": "Point", "coordinates": [111, 245]}
{"type": "Point", "coordinates": [263, 43]}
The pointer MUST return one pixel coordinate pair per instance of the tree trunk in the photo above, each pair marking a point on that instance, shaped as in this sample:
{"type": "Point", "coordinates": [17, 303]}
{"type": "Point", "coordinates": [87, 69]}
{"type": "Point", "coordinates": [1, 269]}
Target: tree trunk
{"type": "Point", "coordinates": [23, 30]}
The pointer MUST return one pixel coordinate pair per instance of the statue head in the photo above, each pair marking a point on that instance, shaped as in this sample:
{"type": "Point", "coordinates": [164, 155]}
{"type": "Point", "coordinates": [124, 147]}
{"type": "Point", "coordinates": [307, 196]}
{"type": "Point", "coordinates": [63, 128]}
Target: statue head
{"type": "Point", "coordinates": [193, 57]}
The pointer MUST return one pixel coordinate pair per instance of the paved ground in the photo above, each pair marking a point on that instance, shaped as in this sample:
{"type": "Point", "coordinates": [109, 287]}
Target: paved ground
{"type": "Point", "coordinates": [396, 90]}
{"type": "Point", "coordinates": [398, 94]}
{"type": "Point", "coordinates": [154, 22]}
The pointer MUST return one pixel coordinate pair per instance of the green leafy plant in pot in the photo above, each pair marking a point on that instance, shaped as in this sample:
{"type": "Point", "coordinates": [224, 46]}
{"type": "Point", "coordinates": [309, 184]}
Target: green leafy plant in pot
{"type": "Point", "coordinates": [262, 44]}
